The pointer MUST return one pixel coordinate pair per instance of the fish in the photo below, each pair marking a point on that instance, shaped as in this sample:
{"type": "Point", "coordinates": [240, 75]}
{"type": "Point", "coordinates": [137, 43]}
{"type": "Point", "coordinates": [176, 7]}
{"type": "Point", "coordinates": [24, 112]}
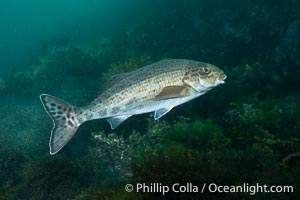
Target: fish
{"type": "Point", "coordinates": [155, 88]}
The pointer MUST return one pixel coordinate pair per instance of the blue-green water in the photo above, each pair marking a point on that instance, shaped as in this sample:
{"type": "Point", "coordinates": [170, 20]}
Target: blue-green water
{"type": "Point", "coordinates": [243, 132]}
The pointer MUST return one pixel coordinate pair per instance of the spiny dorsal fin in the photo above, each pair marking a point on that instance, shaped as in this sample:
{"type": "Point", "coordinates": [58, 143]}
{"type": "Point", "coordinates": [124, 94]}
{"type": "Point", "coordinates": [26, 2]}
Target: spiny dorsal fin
{"type": "Point", "coordinates": [170, 92]}
{"type": "Point", "coordinates": [117, 77]}
{"type": "Point", "coordinates": [112, 80]}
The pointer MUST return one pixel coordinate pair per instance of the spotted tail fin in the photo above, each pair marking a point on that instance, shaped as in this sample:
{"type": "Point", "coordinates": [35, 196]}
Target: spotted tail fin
{"type": "Point", "coordinates": [65, 121]}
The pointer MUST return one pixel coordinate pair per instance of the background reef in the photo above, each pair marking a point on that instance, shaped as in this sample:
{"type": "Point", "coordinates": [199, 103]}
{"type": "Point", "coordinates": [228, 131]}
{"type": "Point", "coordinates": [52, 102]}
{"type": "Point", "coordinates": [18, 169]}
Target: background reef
{"type": "Point", "coordinates": [244, 131]}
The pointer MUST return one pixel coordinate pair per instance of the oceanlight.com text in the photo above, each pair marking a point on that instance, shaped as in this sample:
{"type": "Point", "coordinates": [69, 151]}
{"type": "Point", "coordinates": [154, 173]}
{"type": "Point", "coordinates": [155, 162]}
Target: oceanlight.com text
{"type": "Point", "coordinates": [251, 189]}
{"type": "Point", "coordinates": [207, 187]}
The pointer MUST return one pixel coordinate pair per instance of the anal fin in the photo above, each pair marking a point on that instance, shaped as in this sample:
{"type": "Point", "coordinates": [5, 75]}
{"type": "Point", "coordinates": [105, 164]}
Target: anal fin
{"type": "Point", "coordinates": [116, 121]}
{"type": "Point", "coordinates": [161, 112]}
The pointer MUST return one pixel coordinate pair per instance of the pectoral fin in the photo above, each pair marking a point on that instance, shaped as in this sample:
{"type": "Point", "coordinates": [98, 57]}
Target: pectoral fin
{"type": "Point", "coordinates": [161, 112]}
{"type": "Point", "coordinates": [191, 84]}
{"type": "Point", "coordinates": [116, 121]}
{"type": "Point", "coordinates": [170, 92]}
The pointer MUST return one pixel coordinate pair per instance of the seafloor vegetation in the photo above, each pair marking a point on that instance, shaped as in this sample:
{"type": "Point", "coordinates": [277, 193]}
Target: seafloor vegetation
{"type": "Point", "coordinates": [246, 131]}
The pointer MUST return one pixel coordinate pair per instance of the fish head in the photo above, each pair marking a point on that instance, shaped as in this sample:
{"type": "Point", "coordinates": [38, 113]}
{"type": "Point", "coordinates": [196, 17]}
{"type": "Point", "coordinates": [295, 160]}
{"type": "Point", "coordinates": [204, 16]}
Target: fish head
{"type": "Point", "coordinates": [203, 76]}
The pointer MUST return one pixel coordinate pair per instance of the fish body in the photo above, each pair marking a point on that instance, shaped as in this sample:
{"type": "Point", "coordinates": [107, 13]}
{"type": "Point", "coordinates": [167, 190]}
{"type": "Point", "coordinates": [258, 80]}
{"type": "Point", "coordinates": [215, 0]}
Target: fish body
{"type": "Point", "coordinates": [154, 88]}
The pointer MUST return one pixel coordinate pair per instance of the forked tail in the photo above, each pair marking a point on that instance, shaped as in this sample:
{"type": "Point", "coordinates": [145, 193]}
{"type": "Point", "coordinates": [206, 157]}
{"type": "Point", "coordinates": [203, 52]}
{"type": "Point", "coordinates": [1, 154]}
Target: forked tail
{"type": "Point", "coordinates": [65, 121]}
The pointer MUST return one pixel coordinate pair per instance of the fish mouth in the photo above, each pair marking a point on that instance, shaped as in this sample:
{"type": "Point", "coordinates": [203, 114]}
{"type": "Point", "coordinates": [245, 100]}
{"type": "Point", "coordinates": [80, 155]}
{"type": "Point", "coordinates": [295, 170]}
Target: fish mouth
{"type": "Point", "coordinates": [221, 79]}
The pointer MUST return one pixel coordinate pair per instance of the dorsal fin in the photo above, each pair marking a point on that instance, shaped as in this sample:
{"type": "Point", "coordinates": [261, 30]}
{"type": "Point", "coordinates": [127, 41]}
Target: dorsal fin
{"type": "Point", "coordinates": [112, 80]}
{"type": "Point", "coordinates": [117, 77]}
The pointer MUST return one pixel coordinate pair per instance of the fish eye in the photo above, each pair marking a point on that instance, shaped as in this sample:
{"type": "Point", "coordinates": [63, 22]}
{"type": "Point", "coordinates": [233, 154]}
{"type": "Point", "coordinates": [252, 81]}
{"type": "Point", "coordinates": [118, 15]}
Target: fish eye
{"type": "Point", "coordinates": [205, 70]}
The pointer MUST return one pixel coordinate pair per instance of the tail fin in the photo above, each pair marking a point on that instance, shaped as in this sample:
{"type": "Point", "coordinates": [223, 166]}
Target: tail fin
{"type": "Point", "coordinates": [65, 121]}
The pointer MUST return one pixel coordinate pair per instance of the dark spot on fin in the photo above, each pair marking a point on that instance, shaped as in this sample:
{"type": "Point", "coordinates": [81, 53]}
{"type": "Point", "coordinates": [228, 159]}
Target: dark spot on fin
{"type": "Point", "coordinates": [116, 121]}
{"type": "Point", "coordinates": [71, 124]}
{"type": "Point", "coordinates": [170, 92]}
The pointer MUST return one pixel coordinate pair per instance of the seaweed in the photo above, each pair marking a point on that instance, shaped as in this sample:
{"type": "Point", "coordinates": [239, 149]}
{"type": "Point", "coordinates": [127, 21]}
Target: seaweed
{"type": "Point", "coordinates": [9, 190]}
{"type": "Point", "coordinates": [50, 178]}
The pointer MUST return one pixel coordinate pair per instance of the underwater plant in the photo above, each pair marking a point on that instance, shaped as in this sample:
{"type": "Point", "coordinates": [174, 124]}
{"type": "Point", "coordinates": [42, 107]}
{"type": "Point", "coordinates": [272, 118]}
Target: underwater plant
{"type": "Point", "coordinates": [203, 150]}
{"type": "Point", "coordinates": [113, 154]}
{"type": "Point", "coordinates": [11, 162]}
{"type": "Point", "coordinates": [9, 190]}
{"type": "Point", "coordinates": [105, 194]}
{"type": "Point", "coordinates": [102, 50]}
{"type": "Point", "coordinates": [50, 178]}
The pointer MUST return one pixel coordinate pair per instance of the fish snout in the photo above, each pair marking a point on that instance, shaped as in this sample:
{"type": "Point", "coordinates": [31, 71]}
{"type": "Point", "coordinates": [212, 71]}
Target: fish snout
{"type": "Point", "coordinates": [221, 79]}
